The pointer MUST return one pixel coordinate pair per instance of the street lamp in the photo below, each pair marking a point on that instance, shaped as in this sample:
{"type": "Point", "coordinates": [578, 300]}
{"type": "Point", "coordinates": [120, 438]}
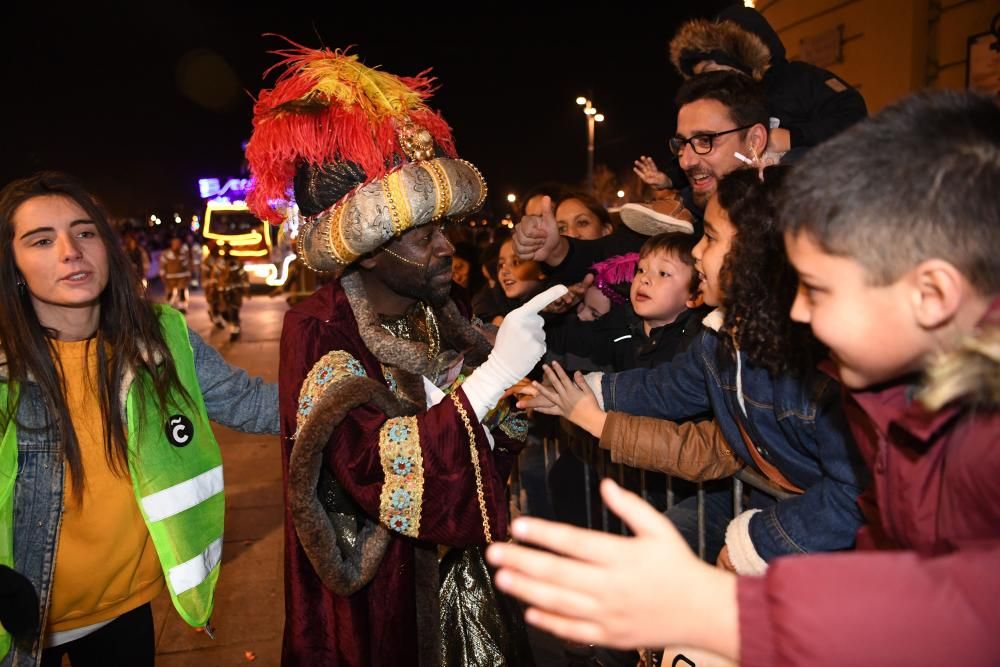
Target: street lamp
{"type": "Point", "coordinates": [592, 117]}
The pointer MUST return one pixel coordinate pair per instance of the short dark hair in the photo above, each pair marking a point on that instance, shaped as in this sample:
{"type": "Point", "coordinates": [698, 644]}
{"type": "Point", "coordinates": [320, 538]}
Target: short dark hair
{"type": "Point", "coordinates": [674, 243]}
{"type": "Point", "coordinates": [744, 97]}
{"type": "Point", "coordinates": [919, 180]}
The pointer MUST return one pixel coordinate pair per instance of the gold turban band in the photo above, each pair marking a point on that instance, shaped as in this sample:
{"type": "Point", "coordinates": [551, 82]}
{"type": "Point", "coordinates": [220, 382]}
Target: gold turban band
{"type": "Point", "coordinates": [412, 195]}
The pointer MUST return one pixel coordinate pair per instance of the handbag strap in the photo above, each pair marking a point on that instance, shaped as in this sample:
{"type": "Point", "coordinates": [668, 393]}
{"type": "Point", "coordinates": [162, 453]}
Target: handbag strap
{"type": "Point", "coordinates": [769, 470]}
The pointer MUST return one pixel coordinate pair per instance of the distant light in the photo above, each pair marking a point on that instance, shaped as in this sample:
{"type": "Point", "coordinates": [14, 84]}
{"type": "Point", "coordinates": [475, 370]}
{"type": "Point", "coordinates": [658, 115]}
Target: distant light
{"type": "Point", "coordinates": [599, 117]}
{"type": "Point", "coordinates": [581, 100]}
{"type": "Point", "coordinates": [621, 194]}
{"type": "Point", "coordinates": [748, 3]}
{"type": "Point", "coordinates": [590, 111]}
{"type": "Point", "coordinates": [177, 219]}
{"type": "Point", "coordinates": [152, 217]}
{"type": "Point", "coordinates": [512, 198]}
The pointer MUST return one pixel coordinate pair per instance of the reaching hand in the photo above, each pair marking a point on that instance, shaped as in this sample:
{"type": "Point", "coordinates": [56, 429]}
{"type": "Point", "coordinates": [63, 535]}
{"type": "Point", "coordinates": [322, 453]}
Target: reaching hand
{"type": "Point", "coordinates": [568, 301]}
{"type": "Point", "coordinates": [650, 174]}
{"type": "Point", "coordinates": [536, 237]}
{"type": "Point", "coordinates": [572, 399]}
{"type": "Point", "coordinates": [625, 592]}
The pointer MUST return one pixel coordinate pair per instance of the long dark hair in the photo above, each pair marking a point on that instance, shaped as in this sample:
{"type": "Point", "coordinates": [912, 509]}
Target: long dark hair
{"type": "Point", "coordinates": [758, 282]}
{"type": "Point", "coordinates": [128, 334]}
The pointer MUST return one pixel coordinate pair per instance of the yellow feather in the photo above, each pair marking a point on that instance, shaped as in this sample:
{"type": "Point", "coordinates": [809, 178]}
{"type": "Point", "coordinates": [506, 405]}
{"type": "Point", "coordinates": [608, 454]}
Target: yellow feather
{"type": "Point", "coordinates": [349, 82]}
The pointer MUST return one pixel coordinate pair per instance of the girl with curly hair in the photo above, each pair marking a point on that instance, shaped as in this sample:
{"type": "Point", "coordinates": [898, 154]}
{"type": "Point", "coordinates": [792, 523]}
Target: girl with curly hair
{"type": "Point", "coordinates": [751, 368]}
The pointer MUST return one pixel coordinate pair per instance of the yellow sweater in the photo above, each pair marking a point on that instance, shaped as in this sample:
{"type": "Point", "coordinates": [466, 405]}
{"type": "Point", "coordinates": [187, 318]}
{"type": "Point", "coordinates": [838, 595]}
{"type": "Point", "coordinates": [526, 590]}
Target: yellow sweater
{"type": "Point", "coordinates": [106, 564]}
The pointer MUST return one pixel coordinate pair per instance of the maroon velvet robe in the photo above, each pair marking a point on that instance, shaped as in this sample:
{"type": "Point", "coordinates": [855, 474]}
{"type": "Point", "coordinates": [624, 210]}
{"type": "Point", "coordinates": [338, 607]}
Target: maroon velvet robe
{"type": "Point", "coordinates": [377, 625]}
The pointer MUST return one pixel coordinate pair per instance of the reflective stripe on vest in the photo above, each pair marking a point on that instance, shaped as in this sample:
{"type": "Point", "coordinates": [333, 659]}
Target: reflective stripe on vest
{"type": "Point", "coordinates": [177, 479]}
{"type": "Point", "coordinates": [179, 497]}
{"type": "Point", "coordinates": [189, 574]}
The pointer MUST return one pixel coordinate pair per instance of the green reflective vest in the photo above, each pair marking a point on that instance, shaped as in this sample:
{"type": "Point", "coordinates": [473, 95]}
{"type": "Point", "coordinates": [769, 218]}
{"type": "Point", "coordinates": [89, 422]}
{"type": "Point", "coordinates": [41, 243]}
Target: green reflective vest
{"type": "Point", "coordinates": [176, 474]}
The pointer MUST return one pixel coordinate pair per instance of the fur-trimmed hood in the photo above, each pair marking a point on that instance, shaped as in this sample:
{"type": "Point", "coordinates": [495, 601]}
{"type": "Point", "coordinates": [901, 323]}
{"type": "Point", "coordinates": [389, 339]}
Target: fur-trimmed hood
{"type": "Point", "coordinates": [969, 374]}
{"type": "Point", "coordinates": [740, 39]}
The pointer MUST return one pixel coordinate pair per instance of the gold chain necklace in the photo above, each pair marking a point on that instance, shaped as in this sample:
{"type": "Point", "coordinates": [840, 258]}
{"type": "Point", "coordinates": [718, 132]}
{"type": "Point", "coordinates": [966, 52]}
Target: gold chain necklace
{"type": "Point", "coordinates": [403, 327]}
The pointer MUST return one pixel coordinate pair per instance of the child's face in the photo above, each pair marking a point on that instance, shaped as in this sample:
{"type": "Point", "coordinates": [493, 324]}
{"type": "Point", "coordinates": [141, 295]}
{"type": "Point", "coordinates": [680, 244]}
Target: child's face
{"type": "Point", "coordinates": [661, 288]}
{"type": "Point", "coordinates": [518, 278]}
{"type": "Point", "coordinates": [870, 330]}
{"type": "Point", "coordinates": [712, 249]}
{"type": "Point", "coordinates": [460, 271]}
{"type": "Point", "coordinates": [594, 305]}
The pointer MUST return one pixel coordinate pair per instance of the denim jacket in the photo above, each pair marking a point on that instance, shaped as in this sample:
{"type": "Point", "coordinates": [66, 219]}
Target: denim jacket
{"type": "Point", "coordinates": [232, 398]}
{"type": "Point", "coordinates": [797, 425]}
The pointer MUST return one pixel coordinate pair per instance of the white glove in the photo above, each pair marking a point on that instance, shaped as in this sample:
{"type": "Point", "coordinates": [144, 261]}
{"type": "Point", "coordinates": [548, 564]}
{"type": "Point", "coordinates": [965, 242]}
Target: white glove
{"type": "Point", "coordinates": [519, 346]}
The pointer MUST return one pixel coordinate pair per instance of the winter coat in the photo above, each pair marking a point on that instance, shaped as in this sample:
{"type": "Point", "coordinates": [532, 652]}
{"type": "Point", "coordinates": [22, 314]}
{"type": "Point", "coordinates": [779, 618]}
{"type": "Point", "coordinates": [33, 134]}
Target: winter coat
{"type": "Point", "coordinates": [923, 585]}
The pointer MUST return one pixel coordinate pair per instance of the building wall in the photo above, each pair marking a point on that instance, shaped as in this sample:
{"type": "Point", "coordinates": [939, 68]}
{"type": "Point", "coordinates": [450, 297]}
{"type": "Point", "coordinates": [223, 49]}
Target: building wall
{"type": "Point", "coordinates": [889, 47]}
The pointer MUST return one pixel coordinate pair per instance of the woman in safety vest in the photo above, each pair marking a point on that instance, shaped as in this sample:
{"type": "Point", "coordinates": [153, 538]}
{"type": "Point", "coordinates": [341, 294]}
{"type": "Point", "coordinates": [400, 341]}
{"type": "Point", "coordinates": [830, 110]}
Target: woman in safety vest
{"type": "Point", "coordinates": [110, 477]}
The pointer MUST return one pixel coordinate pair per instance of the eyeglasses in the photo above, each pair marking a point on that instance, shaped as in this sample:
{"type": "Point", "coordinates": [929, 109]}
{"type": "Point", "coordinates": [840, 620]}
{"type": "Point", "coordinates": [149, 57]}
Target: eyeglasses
{"type": "Point", "coordinates": [700, 143]}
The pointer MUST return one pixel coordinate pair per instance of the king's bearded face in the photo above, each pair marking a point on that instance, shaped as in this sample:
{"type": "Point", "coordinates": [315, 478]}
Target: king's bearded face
{"type": "Point", "coordinates": [417, 264]}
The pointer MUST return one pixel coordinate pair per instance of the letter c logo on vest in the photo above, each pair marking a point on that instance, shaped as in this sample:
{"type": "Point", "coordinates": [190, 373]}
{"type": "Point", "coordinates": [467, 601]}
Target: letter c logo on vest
{"type": "Point", "coordinates": [179, 430]}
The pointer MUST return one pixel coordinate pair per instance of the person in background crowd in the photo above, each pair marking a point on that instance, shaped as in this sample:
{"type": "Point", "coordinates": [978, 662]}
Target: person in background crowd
{"type": "Point", "coordinates": [720, 113]}
{"type": "Point", "coordinates": [230, 286]}
{"type": "Point", "coordinates": [580, 216]}
{"type": "Point", "coordinates": [138, 257]}
{"type": "Point", "coordinates": [209, 283]}
{"type": "Point", "coordinates": [807, 104]}
{"type": "Point", "coordinates": [465, 268]}
{"type": "Point", "coordinates": [520, 280]}
{"type": "Point", "coordinates": [175, 272]}
{"type": "Point", "coordinates": [490, 303]}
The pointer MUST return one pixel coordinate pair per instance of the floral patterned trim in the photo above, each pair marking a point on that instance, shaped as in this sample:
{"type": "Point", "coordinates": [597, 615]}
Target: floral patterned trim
{"type": "Point", "coordinates": [403, 465]}
{"type": "Point", "coordinates": [515, 426]}
{"type": "Point", "coordinates": [329, 370]}
{"type": "Point", "coordinates": [390, 380]}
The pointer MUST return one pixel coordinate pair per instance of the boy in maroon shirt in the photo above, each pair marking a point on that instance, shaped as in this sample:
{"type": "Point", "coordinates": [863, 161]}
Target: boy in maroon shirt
{"type": "Point", "coordinates": [894, 228]}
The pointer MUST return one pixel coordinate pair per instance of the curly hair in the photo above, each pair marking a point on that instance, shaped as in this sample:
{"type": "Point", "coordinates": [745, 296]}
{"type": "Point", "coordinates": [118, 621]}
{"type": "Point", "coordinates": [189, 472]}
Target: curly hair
{"type": "Point", "coordinates": [758, 282]}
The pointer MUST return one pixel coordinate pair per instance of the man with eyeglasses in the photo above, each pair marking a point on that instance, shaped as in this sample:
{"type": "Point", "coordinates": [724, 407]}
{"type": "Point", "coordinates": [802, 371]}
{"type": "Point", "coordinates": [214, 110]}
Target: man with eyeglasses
{"type": "Point", "coordinates": [720, 114]}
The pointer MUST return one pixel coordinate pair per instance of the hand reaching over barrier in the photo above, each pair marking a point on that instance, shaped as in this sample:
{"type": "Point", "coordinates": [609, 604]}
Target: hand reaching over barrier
{"type": "Point", "coordinates": [623, 592]}
{"type": "Point", "coordinates": [565, 397]}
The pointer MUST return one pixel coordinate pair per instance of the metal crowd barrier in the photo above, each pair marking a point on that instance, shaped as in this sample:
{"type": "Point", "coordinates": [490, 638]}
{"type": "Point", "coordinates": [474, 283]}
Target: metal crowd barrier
{"type": "Point", "coordinates": [568, 438]}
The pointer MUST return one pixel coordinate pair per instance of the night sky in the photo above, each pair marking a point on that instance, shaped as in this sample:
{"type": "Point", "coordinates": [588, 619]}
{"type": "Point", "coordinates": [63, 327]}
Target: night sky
{"type": "Point", "coordinates": [142, 100]}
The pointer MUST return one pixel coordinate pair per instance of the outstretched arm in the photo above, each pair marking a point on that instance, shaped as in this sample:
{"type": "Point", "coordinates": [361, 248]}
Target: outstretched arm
{"type": "Point", "coordinates": [626, 592]}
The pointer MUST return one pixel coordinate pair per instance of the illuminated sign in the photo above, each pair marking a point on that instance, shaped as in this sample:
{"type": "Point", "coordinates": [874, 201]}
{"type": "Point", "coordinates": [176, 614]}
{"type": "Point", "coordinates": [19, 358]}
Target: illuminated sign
{"type": "Point", "coordinates": [212, 187]}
